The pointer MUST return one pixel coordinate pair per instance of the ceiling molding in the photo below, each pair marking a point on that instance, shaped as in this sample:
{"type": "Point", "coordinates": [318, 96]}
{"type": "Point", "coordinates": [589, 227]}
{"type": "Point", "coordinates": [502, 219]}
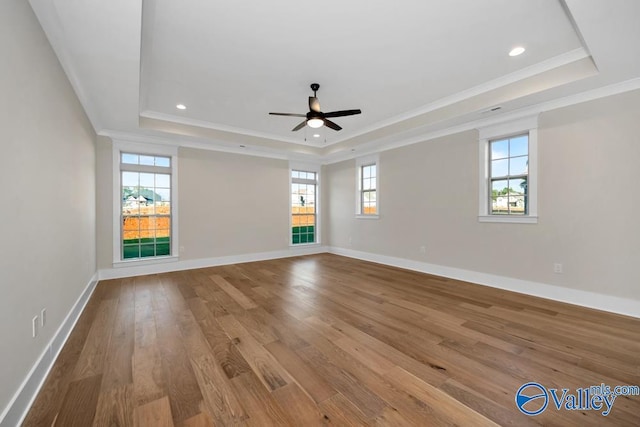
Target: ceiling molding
{"type": "Point", "coordinates": [223, 128]}
{"type": "Point", "coordinates": [48, 18]}
{"type": "Point", "coordinates": [210, 145]}
{"type": "Point", "coordinates": [533, 70]}
{"type": "Point", "coordinates": [111, 75]}
{"type": "Point", "coordinates": [377, 146]}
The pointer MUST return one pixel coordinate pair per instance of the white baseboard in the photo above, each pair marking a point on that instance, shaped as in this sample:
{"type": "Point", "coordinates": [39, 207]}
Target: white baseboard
{"type": "Point", "coordinates": [139, 270]}
{"type": "Point", "coordinates": [628, 307]}
{"type": "Point", "coordinates": [18, 407]}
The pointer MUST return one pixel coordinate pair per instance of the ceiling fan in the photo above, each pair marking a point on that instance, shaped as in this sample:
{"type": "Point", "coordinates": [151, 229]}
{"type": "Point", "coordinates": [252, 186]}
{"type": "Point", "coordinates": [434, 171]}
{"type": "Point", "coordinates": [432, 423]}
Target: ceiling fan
{"type": "Point", "coordinates": [316, 118]}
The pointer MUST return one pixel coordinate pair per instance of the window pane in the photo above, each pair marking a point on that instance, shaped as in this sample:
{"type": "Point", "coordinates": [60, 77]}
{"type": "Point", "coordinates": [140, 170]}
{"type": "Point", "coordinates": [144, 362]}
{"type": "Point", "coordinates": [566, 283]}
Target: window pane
{"type": "Point", "coordinates": [500, 168]}
{"type": "Point", "coordinates": [129, 224]}
{"type": "Point", "coordinates": [517, 186]}
{"type": "Point", "coordinates": [519, 165]}
{"type": "Point", "coordinates": [163, 180]}
{"type": "Point", "coordinates": [500, 187]}
{"type": "Point", "coordinates": [366, 172]}
{"type": "Point", "coordinates": [147, 179]}
{"type": "Point", "coordinates": [519, 146]}
{"type": "Point", "coordinates": [499, 205]}
{"type": "Point", "coordinates": [131, 159]}
{"type": "Point", "coordinates": [366, 184]}
{"type": "Point", "coordinates": [164, 194]}
{"type": "Point", "coordinates": [146, 196]}
{"type": "Point", "coordinates": [500, 149]}
{"type": "Point", "coordinates": [163, 161]}
{"type": "Point", "coordinates": [130, 179]}
{"type": "Point", "coordinates": [295, 174]}
{"type": "Point", "coordinates": [131, 251]}
{"type": "Point", "coordinates": [371, 196]}
{"type": "Point", "coordinates": [373, 170]}
{"type": "Point", "coordinates": [163, 249]}
{"type": "Point", "coordinates": [517, 204]}
{"type": "Point", "coordinates": [147, 160]}
{"type": "Point", "coordinates": [147, 250]}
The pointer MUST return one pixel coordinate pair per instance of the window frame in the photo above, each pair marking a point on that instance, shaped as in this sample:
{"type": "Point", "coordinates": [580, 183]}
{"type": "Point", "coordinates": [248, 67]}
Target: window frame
{"type": "Point", "coordinates": [305, 167]}
{"type": "Point", "coordinates": [524, 126]}
{"type": "Point", "coordinates": [361, 163]}
{"type": "Point", "coordinates": [118, 148]}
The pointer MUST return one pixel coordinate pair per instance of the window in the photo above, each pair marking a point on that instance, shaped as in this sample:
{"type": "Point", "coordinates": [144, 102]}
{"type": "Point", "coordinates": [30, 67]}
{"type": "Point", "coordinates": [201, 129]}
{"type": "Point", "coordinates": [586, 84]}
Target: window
{"type": "Point", "coordinates": [508, 176]}
{"type": "Point", "coordinates": [367, 190]}
{"type": "Point", "coordinates": [508, 172]}
{"type": "Point", "coordinates": [144, 203]}
{"type": "Point", "coordinates": [304, 188]}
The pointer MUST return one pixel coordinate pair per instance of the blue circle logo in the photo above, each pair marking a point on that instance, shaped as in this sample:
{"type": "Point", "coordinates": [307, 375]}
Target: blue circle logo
{"type": "Point", "coordinates": [532, 398]}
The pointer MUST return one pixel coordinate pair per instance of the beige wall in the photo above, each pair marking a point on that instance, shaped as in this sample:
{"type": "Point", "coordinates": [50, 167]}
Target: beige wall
{"type": "Point", "coordinates": [228, 204]}
{"type": "Point", "coordinates": [231, 204]}
{"type": "Point", "coordinates": [47, 214]}
{"type": "Point", "coordinates": [588, 204]}
{"type": "Point", "coordinates": [104, 202]}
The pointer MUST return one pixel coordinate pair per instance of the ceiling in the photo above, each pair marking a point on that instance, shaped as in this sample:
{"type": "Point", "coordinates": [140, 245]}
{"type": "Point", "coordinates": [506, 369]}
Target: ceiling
{"type": "Point", "coordinates": [415, 68]}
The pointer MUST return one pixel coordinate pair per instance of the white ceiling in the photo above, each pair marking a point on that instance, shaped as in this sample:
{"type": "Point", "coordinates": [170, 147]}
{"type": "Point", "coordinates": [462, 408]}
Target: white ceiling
{"type": "Point", "coordinates": [415, 68]}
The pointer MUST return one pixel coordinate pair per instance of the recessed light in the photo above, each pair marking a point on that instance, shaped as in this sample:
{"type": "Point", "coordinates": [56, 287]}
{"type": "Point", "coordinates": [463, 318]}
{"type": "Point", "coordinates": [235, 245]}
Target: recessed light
{"type": "Point", "coordinates": [516, 51]}
{"type": "Point", "coordinates": [181, 107]}
{"type": "Point", "coordinates": [316, 135]}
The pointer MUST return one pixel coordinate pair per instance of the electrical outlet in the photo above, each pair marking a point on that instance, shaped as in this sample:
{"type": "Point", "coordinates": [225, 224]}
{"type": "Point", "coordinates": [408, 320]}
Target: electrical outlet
{"type": "Point", "coordinates": [43, 317]}
{"type": "Point", "coordinates": [423, 249]}
{"type": "Point", "coordinates": [34, 327]}
{"type": "Point", "coordinates": [557, 268]}
{"type": "Point", "coordinates": [350, 241]}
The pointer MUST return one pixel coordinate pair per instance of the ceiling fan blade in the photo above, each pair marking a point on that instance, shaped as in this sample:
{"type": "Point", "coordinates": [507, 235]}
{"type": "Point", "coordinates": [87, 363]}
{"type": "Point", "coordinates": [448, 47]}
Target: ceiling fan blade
{"type": "Point", "coordinates": [300, 126]}
{"type": "Point", "coordinates": [342, 113]}
{"type": "Point", "coordinates": [289, 114]}
{"type": "Point", "coordinates": [332, 125]}
{"type": "Point", "coordinates": [314, 104]}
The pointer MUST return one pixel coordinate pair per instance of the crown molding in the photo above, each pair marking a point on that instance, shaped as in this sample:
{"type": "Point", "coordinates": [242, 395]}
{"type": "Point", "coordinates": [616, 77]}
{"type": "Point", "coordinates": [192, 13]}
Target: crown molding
{"type": "Point", "coordinates": [48, 18]}
{"type": "Point", "coordinates": [425, 134]}
{"type": "Point", "coordinates": [154, 115]}
{"type": "Point", "coordinates": [210, 145]}
{"type": "Point", "coordinates": [413, 136]}
{"type": "Point", "coordinates": [524, 73]}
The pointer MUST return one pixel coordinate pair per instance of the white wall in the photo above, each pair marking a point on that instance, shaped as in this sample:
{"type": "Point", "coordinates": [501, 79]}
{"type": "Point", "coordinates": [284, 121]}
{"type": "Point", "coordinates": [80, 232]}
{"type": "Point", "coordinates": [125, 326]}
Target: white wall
{"type": "Point", "coordinates": [47, 213]}
{"type": "Point", "coordinates": [588, 204]}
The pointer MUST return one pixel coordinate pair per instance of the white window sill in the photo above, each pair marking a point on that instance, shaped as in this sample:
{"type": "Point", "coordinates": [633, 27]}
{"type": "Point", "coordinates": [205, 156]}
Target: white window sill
{"type": "Point", "coordinates": [358, 216]}
{"type": "Point", "coordinates": [296, 245]}
{"type": "Point", "coordinates": [509, 219]}
{"type": "Point", "coordinates": [144, 261]}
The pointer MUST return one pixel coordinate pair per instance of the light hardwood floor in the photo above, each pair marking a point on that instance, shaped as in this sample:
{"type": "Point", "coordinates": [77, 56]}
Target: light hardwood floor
{"type": "Point", "coordinates": [328, 340]}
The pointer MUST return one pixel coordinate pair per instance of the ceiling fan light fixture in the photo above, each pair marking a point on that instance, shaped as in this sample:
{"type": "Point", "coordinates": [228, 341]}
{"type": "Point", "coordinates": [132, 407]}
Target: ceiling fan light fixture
{"type": "Point", "coordinates": [181, 107]}
{"type": "Point", "coordinates": [315, 123]}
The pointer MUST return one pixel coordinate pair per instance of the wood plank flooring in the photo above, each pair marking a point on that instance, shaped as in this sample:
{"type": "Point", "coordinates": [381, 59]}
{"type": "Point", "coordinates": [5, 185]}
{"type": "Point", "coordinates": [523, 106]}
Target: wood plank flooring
{"type": "Point", "coordinates": [328, 340]}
